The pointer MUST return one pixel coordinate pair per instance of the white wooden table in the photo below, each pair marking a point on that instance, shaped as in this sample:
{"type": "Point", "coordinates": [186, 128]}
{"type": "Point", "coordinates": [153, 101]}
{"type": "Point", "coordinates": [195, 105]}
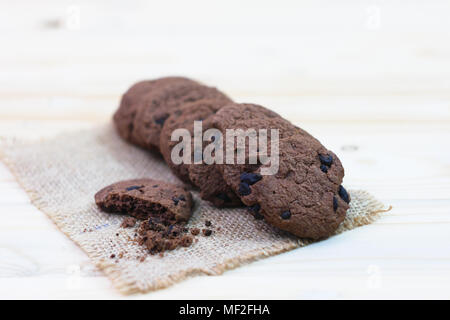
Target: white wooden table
{"type": "Point", "coordinates": [370, 79]}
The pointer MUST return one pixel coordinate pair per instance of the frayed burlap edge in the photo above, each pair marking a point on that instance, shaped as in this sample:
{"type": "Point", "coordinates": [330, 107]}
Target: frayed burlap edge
{"type": "Point", "coordinates": [375, 207]}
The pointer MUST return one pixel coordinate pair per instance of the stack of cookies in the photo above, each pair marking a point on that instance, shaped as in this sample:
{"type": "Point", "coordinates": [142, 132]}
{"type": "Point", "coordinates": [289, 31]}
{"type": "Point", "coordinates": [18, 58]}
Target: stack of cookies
{"type": "Point", "coordinates": [304, 196]}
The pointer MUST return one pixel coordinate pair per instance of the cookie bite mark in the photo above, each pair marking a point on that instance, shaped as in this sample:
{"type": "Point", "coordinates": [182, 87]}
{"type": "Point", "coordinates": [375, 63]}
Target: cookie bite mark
{"type": "Point", "coordinates": [141, 199]}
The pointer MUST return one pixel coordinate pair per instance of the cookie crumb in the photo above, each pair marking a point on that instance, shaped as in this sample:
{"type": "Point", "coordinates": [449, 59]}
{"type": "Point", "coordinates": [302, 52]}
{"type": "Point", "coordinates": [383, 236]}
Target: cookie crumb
{"type": "Point", "coordinates": [208, 223]}
{"type": "Point", "coordinates": [113, 256]}
{"type": "Point", "coordinates": [195, 231]}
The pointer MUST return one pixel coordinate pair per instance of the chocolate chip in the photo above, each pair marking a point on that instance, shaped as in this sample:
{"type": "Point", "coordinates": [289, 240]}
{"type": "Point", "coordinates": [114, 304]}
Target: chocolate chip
{"type": "Point", "coordinates": [335, 203]}
{"type": "Point", "coordinates": [250, 178]}
{"type": "Point", "coordinates": [128, 222]}
{"type": "Point", "coordinates": [244, 189]}
{"type": "Point", "coordinates": [258, 216]}
{"type": "Point", "coordinates": [326, 159]}
{"type": "Point", "coordinates": [343, 194]}
{"type": "Point", "coordinates": [286, 215]}
{"type": "Point", "coordinates": [324, 168]}
{"type": "Point", "coordinates": [134, 188]}
{"type": "Point", "coordinates": [155, 186]}
{"type": "Point", "coordinates": [113, 256]}
{"type": "Point", "coordinates": [182, 198]}
{"type": "Point", "coordinates": [208, 223]}
{"type": "Point", "coordinates": [223, 196]}
{"type": "Point", "coordinates": [162, 119]}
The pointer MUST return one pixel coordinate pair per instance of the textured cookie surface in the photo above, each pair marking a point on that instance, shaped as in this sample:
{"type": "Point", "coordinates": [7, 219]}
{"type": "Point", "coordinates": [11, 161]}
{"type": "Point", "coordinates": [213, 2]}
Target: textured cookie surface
{"type": "Point", "coordinates": [248, 116]}
{"type": "Point", "coordinates": [158, 105]}
{"type": "Point", "coordinates": [144, 198]}
{"type": "Point", "coordinates": [208, 178]}
{"type": "Point", "coordinates": [305, 196]}
{"type": "Point", "coordinates": [183, 118]}
{"type": "Point", "coordinates": [132, 100]}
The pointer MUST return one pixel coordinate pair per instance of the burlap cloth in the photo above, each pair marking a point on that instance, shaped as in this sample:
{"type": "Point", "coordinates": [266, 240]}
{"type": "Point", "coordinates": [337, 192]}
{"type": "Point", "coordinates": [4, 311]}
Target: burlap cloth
{"type": "Point", "coordinates": [62, 174]}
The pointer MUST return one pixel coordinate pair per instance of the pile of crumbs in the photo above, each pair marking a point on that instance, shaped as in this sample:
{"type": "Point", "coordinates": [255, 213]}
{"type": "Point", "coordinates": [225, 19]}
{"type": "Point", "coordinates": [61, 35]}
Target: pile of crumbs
{"type": "Point", "coordinates": [158, 235]}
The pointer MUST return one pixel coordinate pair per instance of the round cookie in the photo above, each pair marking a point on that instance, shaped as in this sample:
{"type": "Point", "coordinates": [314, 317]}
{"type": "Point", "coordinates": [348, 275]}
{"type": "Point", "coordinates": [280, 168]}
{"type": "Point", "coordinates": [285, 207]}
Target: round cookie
{"type": "Point", "coordinates": [158, 104]}
{"type": "Point", "coordinates": [131, 100]}
{"type": "Point", "coordinates": [144, 198]}
{"type": "Point", "coordinates": [184, 117]}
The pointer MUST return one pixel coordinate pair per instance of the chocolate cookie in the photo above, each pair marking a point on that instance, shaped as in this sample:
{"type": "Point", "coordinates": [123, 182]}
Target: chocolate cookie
{"type": "Point", "coordinates": [305, 196]}
{"type": "Point", "coordinates": [247, 116]}
{"type": "Point", "coordinates": [143, 198]}
{"type": "Point", "coordinates": [158, 104]}
{"type": "Point", "coordinates": [131, 101]}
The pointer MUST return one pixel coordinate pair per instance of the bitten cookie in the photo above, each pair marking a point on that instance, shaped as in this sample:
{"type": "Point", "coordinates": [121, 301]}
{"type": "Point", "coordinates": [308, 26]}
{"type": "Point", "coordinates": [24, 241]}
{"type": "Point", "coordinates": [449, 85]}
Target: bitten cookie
{"type": "Point", "coordinates": [158, 104]}
{"type": "Point", "coordinates": [132, 100]}
{"type": "Point", "coordinates": [305, 196]}
{"type": "Point", "coordinates": [144, 198]}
